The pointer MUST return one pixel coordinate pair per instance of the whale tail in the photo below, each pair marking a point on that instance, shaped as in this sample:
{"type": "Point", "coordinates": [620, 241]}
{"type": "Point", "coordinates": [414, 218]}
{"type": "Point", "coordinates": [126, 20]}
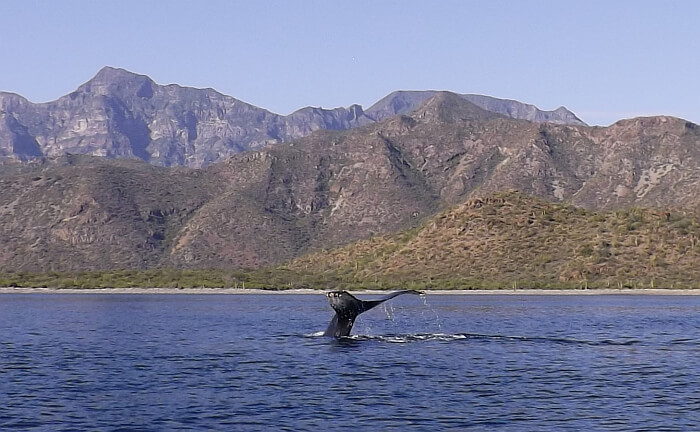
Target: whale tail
{"type": "Point", "coordinates": [347, 307]}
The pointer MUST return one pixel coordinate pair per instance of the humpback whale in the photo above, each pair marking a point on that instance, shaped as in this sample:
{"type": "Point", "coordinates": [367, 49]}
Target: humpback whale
{"type": "Point", "coordinates": [347, 307]}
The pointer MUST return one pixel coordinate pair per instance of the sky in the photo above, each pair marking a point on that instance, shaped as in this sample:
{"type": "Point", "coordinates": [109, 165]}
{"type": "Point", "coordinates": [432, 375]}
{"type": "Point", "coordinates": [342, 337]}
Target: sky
{"type": "Point", "coordinates": [603, 60]}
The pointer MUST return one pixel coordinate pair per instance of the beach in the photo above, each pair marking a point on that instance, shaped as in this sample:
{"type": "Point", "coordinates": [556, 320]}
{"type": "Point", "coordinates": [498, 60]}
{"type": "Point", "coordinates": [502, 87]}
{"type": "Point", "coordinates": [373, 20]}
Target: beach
{"type": "Point", "coordinates": [238, 291]}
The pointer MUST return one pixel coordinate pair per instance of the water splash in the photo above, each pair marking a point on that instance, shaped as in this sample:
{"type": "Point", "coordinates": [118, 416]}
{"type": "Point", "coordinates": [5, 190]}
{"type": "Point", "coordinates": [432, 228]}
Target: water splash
{"type": "Point", "coordinates": [408, 338]}
{"type": "Point", "coordinates": [389, 311]}
{"type": "Point", "coordinates": [431, 310]}
{"type": "Point", "coordinates": [477, 337]}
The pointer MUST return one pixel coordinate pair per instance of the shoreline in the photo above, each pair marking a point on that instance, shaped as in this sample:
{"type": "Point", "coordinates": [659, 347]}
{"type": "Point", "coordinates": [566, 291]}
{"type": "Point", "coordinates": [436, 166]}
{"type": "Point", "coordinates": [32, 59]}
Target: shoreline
{"type": "Point", "coordinates": [243, 291]}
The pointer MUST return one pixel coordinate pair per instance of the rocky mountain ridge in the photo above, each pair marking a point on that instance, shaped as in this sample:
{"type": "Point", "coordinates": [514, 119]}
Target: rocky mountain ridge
{"type": "Point", "coordinates": [119, 114]}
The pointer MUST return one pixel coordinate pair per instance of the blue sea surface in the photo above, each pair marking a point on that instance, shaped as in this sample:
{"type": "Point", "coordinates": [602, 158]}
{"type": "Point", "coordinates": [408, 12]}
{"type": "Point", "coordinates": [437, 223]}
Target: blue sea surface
{"type": "Point", "coordinates": [258, 362]}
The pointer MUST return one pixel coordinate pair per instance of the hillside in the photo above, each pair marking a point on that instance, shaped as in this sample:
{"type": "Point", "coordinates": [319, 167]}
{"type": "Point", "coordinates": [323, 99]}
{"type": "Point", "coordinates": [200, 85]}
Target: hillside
{"type": "Point", "coordinates": [509, 240]}
{"type": "Point", "coordinates": [82, 212]}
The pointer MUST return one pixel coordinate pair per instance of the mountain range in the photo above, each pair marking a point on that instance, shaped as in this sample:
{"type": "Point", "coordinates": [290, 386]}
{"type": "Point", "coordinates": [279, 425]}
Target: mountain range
{"type": "Point", "coordinates": [119, 114]}
{"type": "Point", "coordinates": [278, 201]}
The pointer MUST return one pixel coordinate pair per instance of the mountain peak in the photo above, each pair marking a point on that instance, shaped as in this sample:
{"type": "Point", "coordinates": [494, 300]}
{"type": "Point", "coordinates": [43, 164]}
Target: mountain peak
{"type": "Point", "coordinates": [109, 73]}
{"type": "Point", "coordinates": [451, 107]}
{"type": "Point", "coordinates": [398, 102]}
{"type": "Point", "coordinates": [405, 101]}
{"type": "Point", "coordinates": [110, 80]}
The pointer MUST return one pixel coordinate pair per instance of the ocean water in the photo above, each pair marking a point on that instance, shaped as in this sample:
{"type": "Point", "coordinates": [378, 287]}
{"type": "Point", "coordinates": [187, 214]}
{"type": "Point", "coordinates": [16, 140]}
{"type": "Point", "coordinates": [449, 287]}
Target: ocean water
{"type": "Point", "coordinates": [257, 362]}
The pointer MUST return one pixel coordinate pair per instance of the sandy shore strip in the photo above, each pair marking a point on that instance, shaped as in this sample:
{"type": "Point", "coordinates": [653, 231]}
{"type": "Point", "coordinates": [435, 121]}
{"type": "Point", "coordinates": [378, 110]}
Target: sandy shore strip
{"type": "Point", "coordinates": [607, 291]}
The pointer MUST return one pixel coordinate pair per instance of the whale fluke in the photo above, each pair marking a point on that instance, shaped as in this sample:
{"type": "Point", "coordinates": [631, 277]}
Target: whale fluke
{"type": "Point", "coordinates": [347, 307]}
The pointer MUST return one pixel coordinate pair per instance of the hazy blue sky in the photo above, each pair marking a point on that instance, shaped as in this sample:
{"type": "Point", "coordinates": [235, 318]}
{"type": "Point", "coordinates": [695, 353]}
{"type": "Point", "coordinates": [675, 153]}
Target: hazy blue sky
{"type": "Point", "coordinates": [604, 60]}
